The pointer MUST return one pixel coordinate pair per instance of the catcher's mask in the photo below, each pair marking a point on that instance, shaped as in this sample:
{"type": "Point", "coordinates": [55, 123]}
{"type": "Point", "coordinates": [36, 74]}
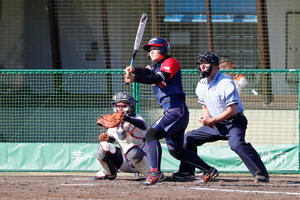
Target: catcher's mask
{"type": "Point", "coordinates": [209, 58]}
{"type": "Point", "coordinates": [124, 102]}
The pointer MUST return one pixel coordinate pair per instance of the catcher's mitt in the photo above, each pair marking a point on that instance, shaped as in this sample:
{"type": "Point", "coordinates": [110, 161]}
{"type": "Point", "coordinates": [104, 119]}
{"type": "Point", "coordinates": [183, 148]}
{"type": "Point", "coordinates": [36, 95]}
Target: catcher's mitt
{"type": "Point", "coordinates": [110, 120]}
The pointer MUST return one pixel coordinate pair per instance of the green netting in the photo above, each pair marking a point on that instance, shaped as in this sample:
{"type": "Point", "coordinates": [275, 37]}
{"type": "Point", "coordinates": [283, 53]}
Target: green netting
{"type": "Point", "coordinates": [55, 106]}
{"type": "Point", "coordinates": [61, 106]}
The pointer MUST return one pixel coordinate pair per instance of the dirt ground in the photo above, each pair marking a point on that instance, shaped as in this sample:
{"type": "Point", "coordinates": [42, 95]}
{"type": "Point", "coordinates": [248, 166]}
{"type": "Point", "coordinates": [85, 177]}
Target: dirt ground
{"type": "Point", "coordinates": [16, 186]}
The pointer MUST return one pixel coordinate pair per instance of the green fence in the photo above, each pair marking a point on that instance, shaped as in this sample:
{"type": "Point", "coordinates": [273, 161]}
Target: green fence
{"type": "Point", "coordinates": [48, 118]}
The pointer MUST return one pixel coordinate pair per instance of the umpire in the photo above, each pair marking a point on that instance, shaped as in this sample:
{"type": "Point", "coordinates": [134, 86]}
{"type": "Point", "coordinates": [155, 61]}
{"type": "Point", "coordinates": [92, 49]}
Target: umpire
{"type": "Point", "coordinates": [222, 119]}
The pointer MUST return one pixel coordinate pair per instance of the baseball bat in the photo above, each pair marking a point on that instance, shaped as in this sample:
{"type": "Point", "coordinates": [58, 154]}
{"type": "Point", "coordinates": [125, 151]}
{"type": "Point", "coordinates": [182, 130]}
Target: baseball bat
{"type": "Point", "coordinates": [139, 36]}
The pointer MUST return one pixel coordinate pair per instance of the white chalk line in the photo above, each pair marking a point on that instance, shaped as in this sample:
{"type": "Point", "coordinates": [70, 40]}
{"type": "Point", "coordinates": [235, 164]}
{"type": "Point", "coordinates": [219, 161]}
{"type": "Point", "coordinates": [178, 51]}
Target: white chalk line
{"type": "Point", "coordinates": [79, 184]}
{"type": "Point", "coordinates": [246, 191]}
{"type": "Point", "coordinates": [81, 179]}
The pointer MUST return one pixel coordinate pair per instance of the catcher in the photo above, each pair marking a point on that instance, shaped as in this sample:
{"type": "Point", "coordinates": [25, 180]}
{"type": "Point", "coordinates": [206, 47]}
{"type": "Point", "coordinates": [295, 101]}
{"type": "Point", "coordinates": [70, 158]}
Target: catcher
{"type": "Point", "coordinates": [128, 130]}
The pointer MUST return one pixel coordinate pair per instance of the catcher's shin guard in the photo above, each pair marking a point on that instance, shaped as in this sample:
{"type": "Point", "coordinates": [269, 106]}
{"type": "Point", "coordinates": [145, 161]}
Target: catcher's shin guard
{"type": "Point", "coordinates": [134, 155]}
{"type": "Point", "coordinates": [108, 167]}
{"type": "Point", "coordinates": [143, 166]}
{"type": "Point", "coordinates": [103, 149]}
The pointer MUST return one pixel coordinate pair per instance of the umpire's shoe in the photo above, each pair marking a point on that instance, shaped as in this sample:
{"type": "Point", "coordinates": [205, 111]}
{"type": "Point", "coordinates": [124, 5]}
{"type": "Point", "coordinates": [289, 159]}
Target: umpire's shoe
{"type": "Point", "coordinates": [100, 175]}
{"type": "Point", "coordinates": [211, 175]}
{"type": "Point", "coordinates": [154, 177]}
{"type": "Point", "coordinates": [183, 176]}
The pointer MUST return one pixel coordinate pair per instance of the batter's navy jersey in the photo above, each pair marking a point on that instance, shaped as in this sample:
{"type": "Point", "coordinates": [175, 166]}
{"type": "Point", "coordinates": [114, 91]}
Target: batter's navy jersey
{"type": "Point", "coordinates": [169, 92]}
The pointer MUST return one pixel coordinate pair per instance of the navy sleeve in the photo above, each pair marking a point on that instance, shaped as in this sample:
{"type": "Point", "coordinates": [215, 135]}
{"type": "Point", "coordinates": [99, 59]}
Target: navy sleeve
{"type": "Point", "coordinates": [111, 139]}
{"type": "Point", "coordinates": [152, 78]}
{"type": "Point", "coordinates": [136, 122]}
{"type": "Point", "coordinates": [141, 71]}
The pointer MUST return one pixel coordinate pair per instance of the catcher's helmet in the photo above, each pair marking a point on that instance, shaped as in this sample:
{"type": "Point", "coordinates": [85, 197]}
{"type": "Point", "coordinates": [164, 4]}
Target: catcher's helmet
{"type": "Point", "coordinates": [124, 97]}
{"type": "Point", "coordinates": [207, 57]}
{"type": "Point", "coordinates": [163, 44]}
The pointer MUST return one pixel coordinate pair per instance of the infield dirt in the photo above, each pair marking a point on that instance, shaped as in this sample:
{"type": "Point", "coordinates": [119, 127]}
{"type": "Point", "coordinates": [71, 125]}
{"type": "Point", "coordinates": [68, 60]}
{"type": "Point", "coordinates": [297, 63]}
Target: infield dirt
{"type": "Point", "coordinates": [67, 186]}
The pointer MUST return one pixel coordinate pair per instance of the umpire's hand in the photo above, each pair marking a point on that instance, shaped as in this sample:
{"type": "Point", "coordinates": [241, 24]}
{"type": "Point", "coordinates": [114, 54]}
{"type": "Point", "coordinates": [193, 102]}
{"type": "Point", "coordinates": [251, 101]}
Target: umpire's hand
{"type": "Point", "coordinates": [207, 121]}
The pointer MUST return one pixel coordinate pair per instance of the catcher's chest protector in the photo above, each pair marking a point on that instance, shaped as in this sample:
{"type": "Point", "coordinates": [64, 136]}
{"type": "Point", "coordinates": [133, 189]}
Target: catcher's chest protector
{"type": "Point", "coordinates": [128, 136]}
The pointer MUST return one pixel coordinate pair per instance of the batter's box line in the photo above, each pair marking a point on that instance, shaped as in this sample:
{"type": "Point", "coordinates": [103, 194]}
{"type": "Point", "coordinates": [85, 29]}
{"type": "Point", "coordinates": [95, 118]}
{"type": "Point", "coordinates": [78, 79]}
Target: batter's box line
{"type": "Point", "coordinates": [246, 191]}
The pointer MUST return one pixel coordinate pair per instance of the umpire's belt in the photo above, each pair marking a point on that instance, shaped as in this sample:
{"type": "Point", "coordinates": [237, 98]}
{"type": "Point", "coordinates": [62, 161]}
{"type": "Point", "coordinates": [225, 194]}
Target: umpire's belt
{"type": "Point", "coordinates": [240, 114]}
{"type": "Point", "coordinates": [230, 121]}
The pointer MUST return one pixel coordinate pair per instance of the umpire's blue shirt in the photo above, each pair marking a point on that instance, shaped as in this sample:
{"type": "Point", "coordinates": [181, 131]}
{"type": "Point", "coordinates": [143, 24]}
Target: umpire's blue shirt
{"type": "Point", "coordinates": [218, 94]}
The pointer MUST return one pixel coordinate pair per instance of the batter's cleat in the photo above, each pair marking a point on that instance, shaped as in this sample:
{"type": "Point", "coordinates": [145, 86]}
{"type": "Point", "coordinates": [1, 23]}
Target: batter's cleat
{"type": "Point", "coordinates": [154, 177]}
{"type": "Point", "coordinates": [261, 179]}
{"type": "Point", "coordinates": [209, 176]}
{"type": "Point", "coordinates": [183, 176]}
{"type": "Point", "coordinates": [100, 175]}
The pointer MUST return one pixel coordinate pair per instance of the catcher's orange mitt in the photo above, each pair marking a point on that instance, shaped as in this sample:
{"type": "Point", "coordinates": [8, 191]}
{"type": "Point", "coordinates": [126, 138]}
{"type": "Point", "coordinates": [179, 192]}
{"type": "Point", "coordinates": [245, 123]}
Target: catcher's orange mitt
{"type": "Point", "coordinates": [110, 120]}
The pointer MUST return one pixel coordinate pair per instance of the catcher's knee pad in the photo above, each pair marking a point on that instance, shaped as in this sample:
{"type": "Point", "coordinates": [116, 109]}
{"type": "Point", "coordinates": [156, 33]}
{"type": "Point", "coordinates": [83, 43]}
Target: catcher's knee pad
{"type": "Point", "coordinates": [143, 166]}
{"type": "Point", "coordinates": [152, 134]}
{"type": "Point", "coordinates": [135, 155]}
{"type": "Point", "coordinates": [104, 148]}
{"type": "Point", "coordinates": [177, 153]}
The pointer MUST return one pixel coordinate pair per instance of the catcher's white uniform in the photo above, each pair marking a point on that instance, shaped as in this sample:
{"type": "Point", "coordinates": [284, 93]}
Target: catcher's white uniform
{"type": "Point", "coordinates": [127, 135]}
{"type": "Point", "coordinates": [129, 156]}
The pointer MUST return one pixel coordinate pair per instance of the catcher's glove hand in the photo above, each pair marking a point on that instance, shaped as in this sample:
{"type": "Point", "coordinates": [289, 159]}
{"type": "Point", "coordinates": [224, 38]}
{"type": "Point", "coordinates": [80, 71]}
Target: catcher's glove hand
{"type": "Point", "coordinates": [103, 137]}
{"type": "Point", "coordinates": [110, 120]}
